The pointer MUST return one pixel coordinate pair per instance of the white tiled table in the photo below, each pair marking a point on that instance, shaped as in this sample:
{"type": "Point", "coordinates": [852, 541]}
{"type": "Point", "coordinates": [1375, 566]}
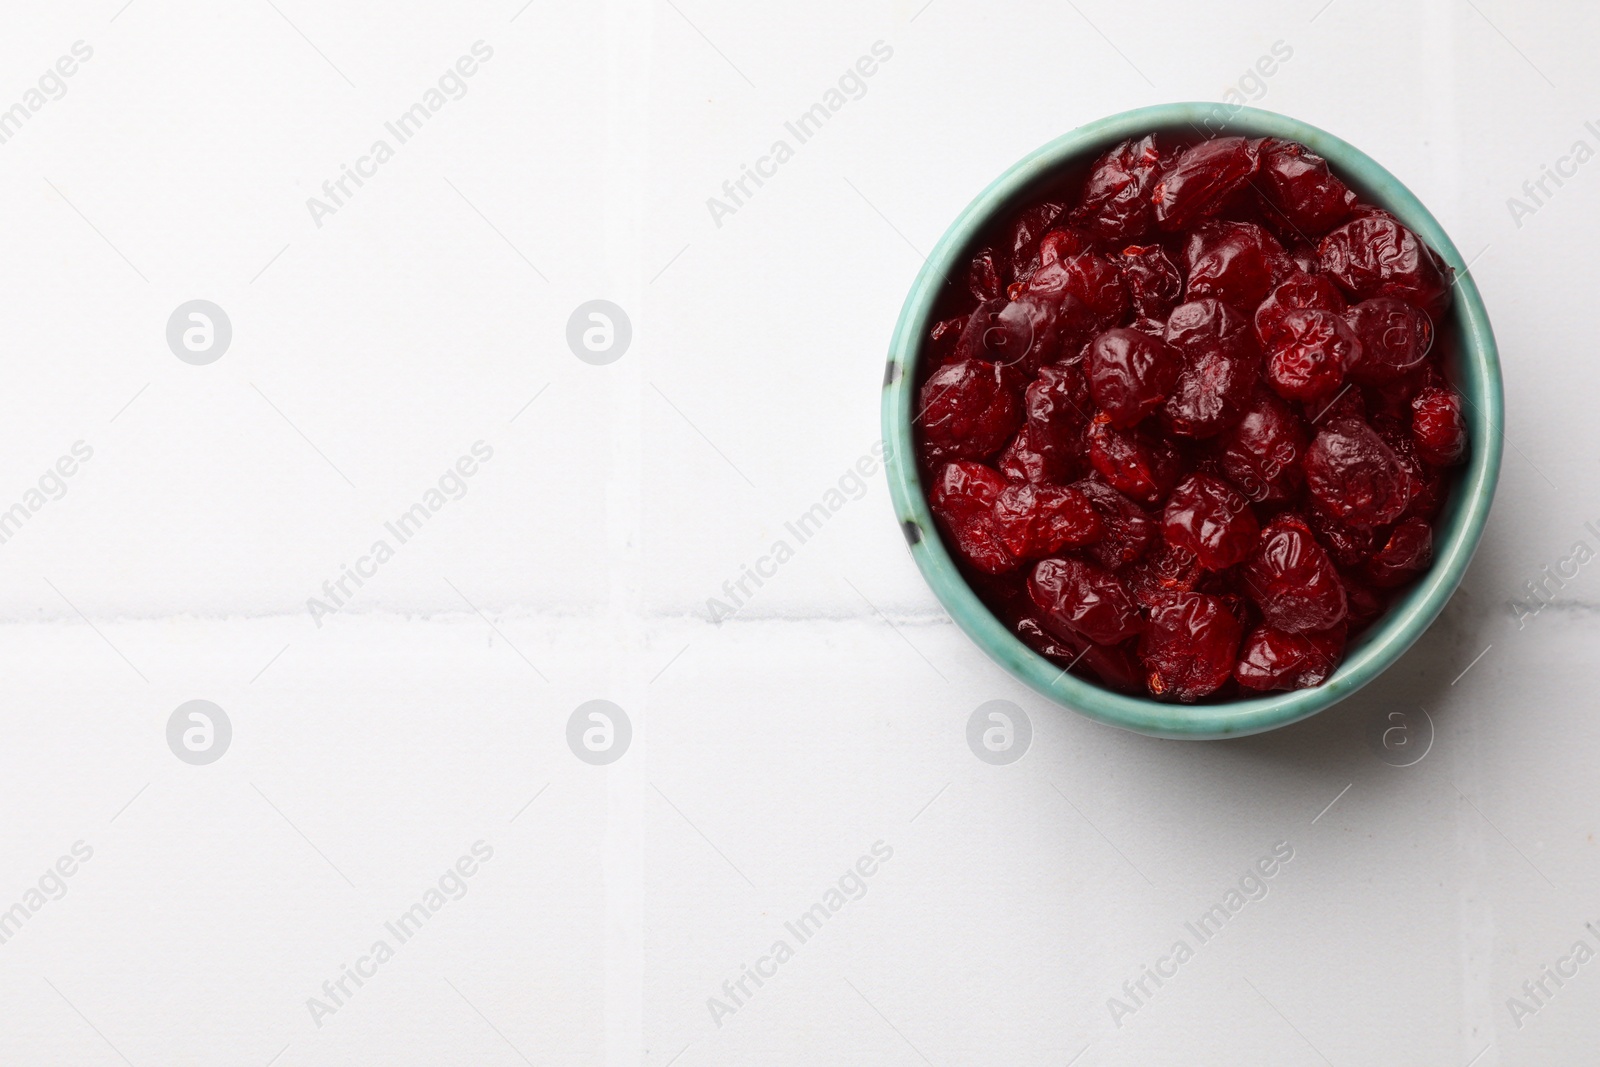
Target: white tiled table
{"type": "Point", "coordinates": [1006, 905]}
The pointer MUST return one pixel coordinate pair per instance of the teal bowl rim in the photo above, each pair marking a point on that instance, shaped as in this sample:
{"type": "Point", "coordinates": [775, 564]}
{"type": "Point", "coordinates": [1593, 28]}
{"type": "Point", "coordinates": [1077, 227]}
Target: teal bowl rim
{"type": "Point", "coordinates": [1457, 531]}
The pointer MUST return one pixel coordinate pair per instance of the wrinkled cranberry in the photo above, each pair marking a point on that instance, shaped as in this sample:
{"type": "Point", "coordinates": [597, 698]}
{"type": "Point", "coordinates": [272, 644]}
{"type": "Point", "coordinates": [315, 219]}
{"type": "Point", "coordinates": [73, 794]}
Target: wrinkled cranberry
{"type": "Point", "coordinates": [1212, 391]}
{"type": "Point", "coordinates": [1153, 283]}
{"type": "Point", "coordinates": [1026, 460]}
{"type": "Point", "coordinates": [1129, 529]}
{"type": "Point", "coordinates": [1437, 426]}
{"type": "Point", "coordinates": [1133, 461]}
{"type": "Point", "coordinates": [1165, 568]}
{"type": "Point", "coordinates": [1201, 179]}
{"type": "Point", "coordinates": [1404, 554]}
{"type": "Point", "coordinates": [1374, 255]}
{"type": "Point", "coordinates": [1116, 196]}
{"type": "Point", "coordinates": [1235, 262]}
{"type": "Point", "coordinates": [942, 338]}
{"type": "Point", "coordinates": [1058, 406]}
{"type": "Point", "coordinates": [1355, 476]}
{"type": "Point", "coordinates": [1060, 243]}
{"type": "Point", "coordinates": [1298, 183]}
{"type": "Point", "coordinates": [1262, 452]}
{"type": "Point", "coordinates": [1038, 520]}
{"type": "Point", "coordinates": [968, 411]}
{"type": "Point", "coordinates": [1130, 373]}
{"type": "Point", "coordinates": [1210, 518]}
{"type": "Point", "coordinates": [984, 278]}
{"type": "Point", "coordinates": [1209, 325]}
{"type": "Point", "coordinates": [1113, 665]}
{"type": "Point", "coordinates": [1030, 226]}
{"type": "Point", "coordinates": [1093, 280]}
{"type": "Point", "coordinates": [1348, 546]}
{"type": "Point", "coordinates": [962, 499]}
{"type": "Point", "coordinates": [1273, 659]}
{"type": "Point", "coordinates": [1189, 645]}
{"type": "Point", "coordinates": [1309, 360]}
{"type": "Point", "coordinates": [1292, 580]}
{"type": "Point", "coordinates": [1395, 339]}
{"type": "Point", "coordinates": [1297, 292]}
{"type": "Point", "coordinates": [1079, 597]}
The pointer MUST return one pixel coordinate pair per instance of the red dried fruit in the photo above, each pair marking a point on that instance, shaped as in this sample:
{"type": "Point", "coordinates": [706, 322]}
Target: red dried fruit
{"type": "Point", "coordinates": [1262, 452]}
{"type": "Point", "coordinates": [1076, 596]}
{"type": "Point", "coordinates": [1133, 461]}
{"type": "Point", "coordinates": [1093, 280]}
{"type": "Point", "coordinates": [984, 277]}
{"type": "Point", "coordinates": [1116, 196]}
{"type": "Point", "coordinates": [1395, 336]}
{"type": "Point", "coordinates": [1027, 230]}
{"type": "Point", "coordinates": [1292, 580]}
{"type": "Point", "coordinates": [1374, 255]}
{"type": "Point", "coordinates": [1272, 659]}
{"type": "Point", "coordinates": [1438, 427]}
{"type": "Point", "coordinates": [1348, 546]}
{"type": "Point", "coordinates": [942, 338]}
{"type": "Point", "coordinates": [1365, 604]}
{"type": "Point", "coordinates": [1153, 283]}
{"type": "Point", "coordinates": [1130, 373]}
{"type": "Point", "coordinates": [962, 499]}
{"type": "Point", "coordinates": [1298, 183]}
{"type": "Point", "coordinates": [1189, 646]}
{"type": "Point", "coordinates": [1025, 460]}
{"type": "Point", "coordinates": [1113, 665]}
{"type": "Point", "coordinates": [1404, 554]}
{"type": "Point", "coordinates": [1312, 353]}
{"type": "Point", "coordinates": [1058, 244]}
{"type": "Point", "coordinates": [1354, 476]}
{"type": "Point", "coordinates": [968, 411]}
{"type": "Point", "coordinates": [1201, 179]}
{"type": "Point", "coordinates": [1038, 520]}
{"type": "Point", "coordinates": [1129, 529]}
{"type": "Point", "coordinates": [1235, 262]}
{"type": "Point", "coordinates": [1297, 292]}
{"type": "Point", "coordinates": [1210, 518]}
{"type": "Point", "coordinates": [1165, 568]}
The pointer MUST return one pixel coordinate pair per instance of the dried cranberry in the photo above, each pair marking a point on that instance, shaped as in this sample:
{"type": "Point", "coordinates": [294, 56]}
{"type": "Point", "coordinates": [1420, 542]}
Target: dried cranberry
{"type": "Point", "coordinates": [1210, 518]}
{"type": "Point", "coordinates": [984, 278]}
{"type": "Point", "coordinates": [1030, 226]}
{"type": "Point", "coordinates": [963, 499]}
{"type": "Point", "coordinates": [1093, 280]}
{"type": "Point", "coordinates": [1366, 604]}
{"type": "Point", "coordinates": [942, 338]}
{"type": "Point", "coordinates": [1113, 665]}
{"type": "Point", "coordinates": [1133, 461]}
{"type": "Point", "coordinates": [1130, 374]}
{"type": "Point", "coordinates": [1292, 580]}
{"type": "Point", "coordinates": [1395, 339]}
{"type": "Point", "coordinates": [1129, 529]}
{"type": "Point", "coordinates": [1189, 646]}
{"type": "Point", "coordinates": [1298, 183]}
{"type": "Point", "coordinates": [1201, 179]}
{"type": "Point", "coordinates": [1348, 546]}
{"type": "Point", "coordinates": [1262, 452]}
{"type": "Point", "coordinates": [1079, 597]}
{"type": "Point", "coordinates": [1311, 356]}
{"type": "Point", "coordinates": [1212, 391]}
{"type": "Point", "coordinates": [1037, 520]}
{"type": "Point", "coordinates": [1060, 243]}
{"type": "Point", "coordinates": [1297, 292]}
{"type": "Point", "coordinates": [1027, 460]}
{"type": "Point", "coordinates": [1165, 568]}
{"type": "Point", "coordinates": [1235, 262]}
{"type": "Point", "coordinates": [1355, 476]}
{"type": "Point", "coordinates": [1153, 283]}
{"type": "Point", "coordinates": [1374, 255]}
{"type": "Point", "coordinates": [1209, 325]}
{"type": "Point", "coordinates": [1273, 659]}
{"type": "Point", "coordinates": [1116, 196]}
{"type": "Point", "coordinates": [969, 411]}
{"type": "Point", "coordinates": [1405, 553]}
{"type": "Point", "coordinates": [1437, 426]}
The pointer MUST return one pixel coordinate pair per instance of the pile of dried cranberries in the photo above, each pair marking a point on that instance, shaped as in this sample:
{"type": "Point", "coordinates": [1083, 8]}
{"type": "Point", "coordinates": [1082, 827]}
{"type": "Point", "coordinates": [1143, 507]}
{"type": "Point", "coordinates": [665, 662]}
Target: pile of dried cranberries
{"type": "Point", "coordinates": [1184, 424]}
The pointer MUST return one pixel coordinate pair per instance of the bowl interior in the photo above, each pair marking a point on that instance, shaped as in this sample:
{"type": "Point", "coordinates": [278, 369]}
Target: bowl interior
{"type": "Point", "coordinates": [1474, 367]}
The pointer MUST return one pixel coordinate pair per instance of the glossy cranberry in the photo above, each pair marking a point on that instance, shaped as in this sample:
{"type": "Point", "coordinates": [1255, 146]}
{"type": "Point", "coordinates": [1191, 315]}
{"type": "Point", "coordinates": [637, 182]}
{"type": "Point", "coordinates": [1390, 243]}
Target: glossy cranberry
{"type": "Point", "coordinates": [968, 411]}
{"type": "Point", "coordinates": [1023, 460]}
{"type": "Point", "coordinates": [1348, 546]}
{"type": "Point", "coordinates": [985, 279]}
{"type": "Point", "coordinates": [1165, 568]}
{"type": "Point", "coordinates": [1262, 452]}
{"type": "Point", "coordinates": [1235, 262]}
{"type": "Point", "coordinates": [1026, 232]}
{"type": "Point", "coordinates": [1133, 461]}
{"type": "Point", "coordinates": [1437, 426]}
{"type": "Point", "coordinates": [1273, 659]}
{"type": "Point", "coordinates": [1189, 646]}
{"type": "Point", "coordinates": [1210, 518]}
{"type": "Point", "coordinates": [1395, 336]}
{"type": "Point", "coordinates": [1292, 580]}
{"type": "Point", "coordinates": [942, 338]}
{"type": "Point", "coordinates": [1112, 665]}
{"type": "Point", "coordinates": [1022, 334]}
{"type": "Point", "coordinates": [1130, 531]}
{"type": "Point", "coordinates": [1209, 325]}
{"type": "Point", "coordinates": [1116, 205]}
{"type": "Point", "coordinates": [1299, 184]}
{"type": "Point", "coordinates": [1354, 476]}
{"type": "Point", "coordinates": [1060, 243]}
{"type": "Point", "coordinates": [1092, 279]}
{"type": "Point", "coordinates": [1310, 358]}
{"type": "Point", "coordinates": [1201, 179]}
{"type": "Point", "coordinates": [1076, 596]}
{"type": "Point", "coordinates": [1038, 520]}
{"type": "Point", "coordinates": [1058, 407]}
{"type": "Point", "coordinates": [1212, 391]}
{"type": "Point", "coordinates": [1374, 255]}
{"type": "Point", "coordinates": [1297, 292]}
{"type": "Point", "coordinates": [1404, 554]}
{"type": "Point", "coordinates": [962, 499]}
{"type": "Point", "coordinates": [1153, 283]}
{"type": "Point", "coordinates": [1130, 373]}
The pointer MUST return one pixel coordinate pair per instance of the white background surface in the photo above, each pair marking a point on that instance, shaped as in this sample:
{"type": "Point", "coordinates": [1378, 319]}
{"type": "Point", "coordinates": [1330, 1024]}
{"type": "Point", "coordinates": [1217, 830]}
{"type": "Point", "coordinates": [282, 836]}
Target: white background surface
{"type": "Point", "coordinates": [772, 751]}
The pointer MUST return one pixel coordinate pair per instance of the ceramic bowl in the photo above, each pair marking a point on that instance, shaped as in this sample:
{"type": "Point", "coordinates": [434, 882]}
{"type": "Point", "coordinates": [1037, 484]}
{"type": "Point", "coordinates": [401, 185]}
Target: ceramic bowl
{"type": "Point", "coordinates": [1474, 370]}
